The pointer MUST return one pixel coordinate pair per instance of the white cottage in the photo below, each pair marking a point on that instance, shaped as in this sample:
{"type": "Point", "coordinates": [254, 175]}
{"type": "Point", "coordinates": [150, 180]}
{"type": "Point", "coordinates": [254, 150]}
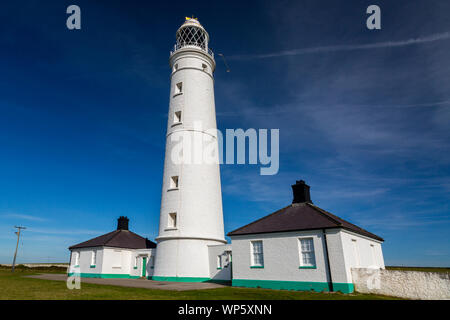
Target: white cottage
{"type": "Point", "coordinates": [302, 247]}
{"type": "Point", "coordinates": [118, 254]}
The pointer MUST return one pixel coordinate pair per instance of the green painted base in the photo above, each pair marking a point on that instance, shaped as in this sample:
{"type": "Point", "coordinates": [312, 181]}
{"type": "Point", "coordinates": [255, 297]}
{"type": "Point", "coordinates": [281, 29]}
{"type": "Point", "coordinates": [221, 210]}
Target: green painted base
{"type": "Point", "coordinates": [188, 279]}
{"type": "Point", "coordinates": [105, 275]}
{"type": "Point", "coordinates": [293, 285]}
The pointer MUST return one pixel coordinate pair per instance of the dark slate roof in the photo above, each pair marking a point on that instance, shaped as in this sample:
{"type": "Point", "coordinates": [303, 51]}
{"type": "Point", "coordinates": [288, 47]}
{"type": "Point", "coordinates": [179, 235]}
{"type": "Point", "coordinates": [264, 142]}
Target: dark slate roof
{"type": "Point", "coordinates": [119, 239]}
{"type": "Point", "coordinates": [298, 217]}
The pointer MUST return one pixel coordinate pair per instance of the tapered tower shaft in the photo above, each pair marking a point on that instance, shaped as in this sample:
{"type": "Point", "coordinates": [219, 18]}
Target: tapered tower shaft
{"type": "Point", "coordinates": [191, 215]}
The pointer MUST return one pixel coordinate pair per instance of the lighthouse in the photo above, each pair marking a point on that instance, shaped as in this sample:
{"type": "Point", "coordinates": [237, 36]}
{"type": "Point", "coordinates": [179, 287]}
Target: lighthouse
{"type": "Point", "coordinates": [191, 217]}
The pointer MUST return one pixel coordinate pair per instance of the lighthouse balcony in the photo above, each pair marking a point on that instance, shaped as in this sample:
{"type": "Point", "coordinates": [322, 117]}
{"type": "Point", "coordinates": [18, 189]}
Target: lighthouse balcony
{"type": "Point", "coordinates": [177, 47]}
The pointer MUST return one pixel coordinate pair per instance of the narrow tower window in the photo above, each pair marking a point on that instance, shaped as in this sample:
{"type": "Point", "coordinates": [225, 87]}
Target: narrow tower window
{"type": "Point", "coordinates": [174, 182]}
{"type": "Point", "coordinates": [175, 67]}
{"type": "Point", "coordinates": [204, 67]}
{"type": "Point", "coordinates": [172, 223]}
{"type": "Point", "coordinates": [179, 88]}
{"type": "Point", "coordinates": [219, 262]}
{"type": "Point", "coordinates": [177, 117]}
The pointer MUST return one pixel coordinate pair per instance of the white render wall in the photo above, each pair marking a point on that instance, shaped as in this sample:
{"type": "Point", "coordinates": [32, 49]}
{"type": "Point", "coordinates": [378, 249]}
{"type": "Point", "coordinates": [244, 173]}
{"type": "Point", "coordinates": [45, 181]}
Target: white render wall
{"type": "Point", "coordinates": [281, 257]}
{"type": "Point", "coordinates": [183, 251]}
{"type": "Point", "coordinates": [222, 252]}
{"type": "Point", "coordinates": [404, 284]}
{"type": "Point", "coordinates": [84, 261]}
{"type": "Point", "coordinates": [367, 258]}
{"type": "Point", "coordinates": [118, 261]}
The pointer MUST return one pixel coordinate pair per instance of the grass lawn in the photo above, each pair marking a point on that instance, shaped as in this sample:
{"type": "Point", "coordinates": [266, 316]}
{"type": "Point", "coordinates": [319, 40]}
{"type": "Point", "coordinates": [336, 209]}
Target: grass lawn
{"type": "Point", "coordinates": [16, 287]}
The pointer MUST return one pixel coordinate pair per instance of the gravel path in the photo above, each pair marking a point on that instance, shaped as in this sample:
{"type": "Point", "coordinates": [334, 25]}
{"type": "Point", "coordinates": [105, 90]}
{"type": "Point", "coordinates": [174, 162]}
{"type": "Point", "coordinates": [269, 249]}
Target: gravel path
{"type": "Point", "coordinates": [135, 283]}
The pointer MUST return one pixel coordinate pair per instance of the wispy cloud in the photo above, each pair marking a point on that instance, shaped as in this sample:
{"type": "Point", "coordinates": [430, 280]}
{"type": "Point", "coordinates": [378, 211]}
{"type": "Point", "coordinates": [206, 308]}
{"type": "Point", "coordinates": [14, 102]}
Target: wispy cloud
{"type": "Point", "coordinates": [23, 217]}
{"type": "Point", "coordinates": [386, 44]}
{"type": "Point", "coordinates": [65, 231]}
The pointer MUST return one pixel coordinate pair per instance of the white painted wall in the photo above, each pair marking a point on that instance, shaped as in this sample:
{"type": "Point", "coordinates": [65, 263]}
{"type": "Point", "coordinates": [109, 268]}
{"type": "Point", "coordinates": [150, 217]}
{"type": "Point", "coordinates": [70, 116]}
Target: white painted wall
{"type": "Point", "coordinates": [357, 246]}
{"type": "Point", "coordinates": [281, 257]}
{"type": "Point", "coordinates": [404, 284]}
{"type": "Point", "coordinates": [183, 251]}
{"type": "Point", "coordinates": [222, 252]}
{"type": "Point", "coordinates": [85, 260]}
{"type": "Point", "coordinates": [113, 260]}
{"type": "Point", "coordinates": [140, 254]}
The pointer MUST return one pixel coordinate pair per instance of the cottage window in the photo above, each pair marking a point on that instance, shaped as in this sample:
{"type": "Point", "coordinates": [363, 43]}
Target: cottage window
{"type": "Point", "coordinates": [257, 254]}
{"type": "Point", "coordinates": [94, 258]}
{"type": "Point", "coordinates": [219, 262]}
{"type": "Point", "coordinates": [307, 252]}
{"type": "Point", "coordinates": [356, 253]}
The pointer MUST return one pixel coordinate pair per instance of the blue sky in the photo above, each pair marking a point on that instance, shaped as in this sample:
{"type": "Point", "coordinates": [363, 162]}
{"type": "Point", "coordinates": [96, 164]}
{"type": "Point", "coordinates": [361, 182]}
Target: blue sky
{"type": "Point", "coordinates": [364, 117]}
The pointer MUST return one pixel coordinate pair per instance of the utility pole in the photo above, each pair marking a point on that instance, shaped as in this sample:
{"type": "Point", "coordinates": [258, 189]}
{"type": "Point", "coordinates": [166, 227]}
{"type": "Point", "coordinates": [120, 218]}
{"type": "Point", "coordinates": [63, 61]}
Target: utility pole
{"type": "Point", "coordinates": [17, 246]}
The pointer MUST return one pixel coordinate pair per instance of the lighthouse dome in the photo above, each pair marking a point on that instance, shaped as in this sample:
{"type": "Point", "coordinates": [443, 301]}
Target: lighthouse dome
{"type": "Point", "coordinates": [192, 33]}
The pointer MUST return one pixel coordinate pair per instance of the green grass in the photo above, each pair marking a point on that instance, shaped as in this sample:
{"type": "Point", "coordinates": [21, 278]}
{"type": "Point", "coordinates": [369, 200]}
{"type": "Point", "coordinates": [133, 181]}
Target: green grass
{"type": "Point", "coordinates": [423, 269]}
{"type": "Point", "coordinates": [17, 287]}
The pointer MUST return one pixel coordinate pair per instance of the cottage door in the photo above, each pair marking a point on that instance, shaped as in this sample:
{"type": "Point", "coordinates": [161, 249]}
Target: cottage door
{"type": "Point", "coordinates": [144, 266]}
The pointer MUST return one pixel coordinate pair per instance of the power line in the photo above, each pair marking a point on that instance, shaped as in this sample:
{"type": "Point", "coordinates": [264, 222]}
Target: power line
{"type": "Point", "coordinates": [17, 245]}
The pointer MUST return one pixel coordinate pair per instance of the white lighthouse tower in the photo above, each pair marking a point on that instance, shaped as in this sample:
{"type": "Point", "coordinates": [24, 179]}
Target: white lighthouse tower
{"type": "Point", "coordinates": [191, 217]}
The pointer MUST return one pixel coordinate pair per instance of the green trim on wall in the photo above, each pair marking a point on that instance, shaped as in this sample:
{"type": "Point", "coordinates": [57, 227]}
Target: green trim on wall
{"type": "Point", "coordinates": [344, 287]}
{"type": "Point", "coordinates": [104, 275]}
{"type": "Point", "coordinates": [293, 285]}
{"type": "Point", "coordinates": [76, 266]}
{"type": "Point", "coordinates": [307, 267]}
{"type": "Point", "coordinates": [219, 268]}
{"type": "Point", "coordinates": [179, 279]}
{"type": "Point", "coordinates": [92, 266]}
{"type": "Point", "coordinates": [256, 267]}
{"type": "Point", "coordinates": [134, 268]}
{"type": "Point", "coordinates": [188, 279]}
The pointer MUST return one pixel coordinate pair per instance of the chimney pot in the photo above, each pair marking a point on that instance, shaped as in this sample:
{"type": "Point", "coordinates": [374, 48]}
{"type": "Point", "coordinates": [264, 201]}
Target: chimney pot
{"type": "Point", "coordinates": [122, 223]}
{"type": "Point", "coordinates": [301, 192]}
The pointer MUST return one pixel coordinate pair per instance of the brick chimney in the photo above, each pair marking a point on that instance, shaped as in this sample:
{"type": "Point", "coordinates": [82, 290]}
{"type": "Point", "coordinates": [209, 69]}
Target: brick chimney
{"type": "Point", "coordinates": [122, 223]}
{"type": "Point", "coordinates": [301, 192]}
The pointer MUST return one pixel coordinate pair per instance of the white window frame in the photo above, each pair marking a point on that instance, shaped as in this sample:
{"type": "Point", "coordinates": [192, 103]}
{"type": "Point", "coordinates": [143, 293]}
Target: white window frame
{"type": "Point", "coordinates": [94, 258]}
{"type": "Point", "coordinates": [178, 89]}
{"type": "Point", "coordinates": [77, 258]}
{"type": "Point", "coordinates": [119, 254]}
{"type": "Point", "coordinates": [219, 262]}
{"type": "Point", "coordinates": [304, 252]}
{"type": "Point", "coordinates": [174, 182]}
{"type": "Point", "coordinates": [172, 220]}
{"type": "Point", "coordinates": [374, 254]}
{"type": "Point", "coordinates": [177, 117]}
{"type": "Point", "coordinates": [254, 254]}
{"type": "Point", "coordinates": [356, 255]}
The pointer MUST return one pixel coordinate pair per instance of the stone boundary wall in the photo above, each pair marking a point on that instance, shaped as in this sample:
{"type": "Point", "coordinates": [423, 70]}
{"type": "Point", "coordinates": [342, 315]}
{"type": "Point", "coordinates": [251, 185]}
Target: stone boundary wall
{"type": "Point", "coordinates": [403, 284]}
{"type": "Point", "coordinates": [37, 265]}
